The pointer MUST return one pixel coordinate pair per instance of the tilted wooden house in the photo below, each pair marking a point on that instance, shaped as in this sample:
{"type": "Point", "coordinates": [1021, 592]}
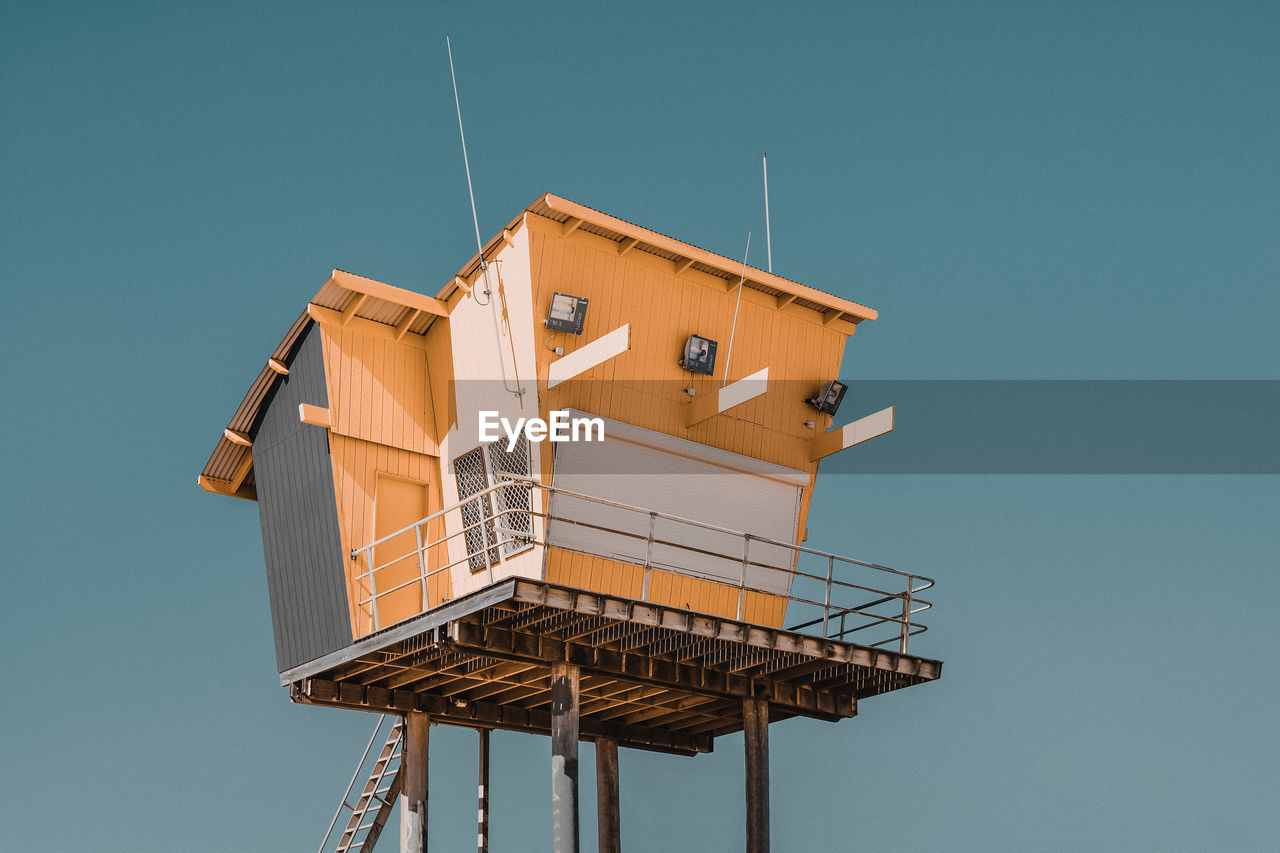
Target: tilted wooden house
{"type": "Point", "coordinates": [364, 423]}
{"type": "Point", "coordinates": [641, 583]}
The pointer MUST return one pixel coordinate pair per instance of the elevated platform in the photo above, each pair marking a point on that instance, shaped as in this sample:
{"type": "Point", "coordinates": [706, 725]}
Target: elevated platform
{"type": "Point", "coordinates": [652, 676]}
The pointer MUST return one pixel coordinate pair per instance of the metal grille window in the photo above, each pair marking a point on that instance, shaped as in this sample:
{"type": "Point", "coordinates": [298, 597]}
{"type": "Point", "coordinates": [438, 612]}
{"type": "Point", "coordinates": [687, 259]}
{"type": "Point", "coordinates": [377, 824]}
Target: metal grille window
{"type": "Point", "coordinates": [513, 502]}
{"type": "Point", "coordinates": [509, 507]}
{"type": "Point", "coordinates": [469, 468]}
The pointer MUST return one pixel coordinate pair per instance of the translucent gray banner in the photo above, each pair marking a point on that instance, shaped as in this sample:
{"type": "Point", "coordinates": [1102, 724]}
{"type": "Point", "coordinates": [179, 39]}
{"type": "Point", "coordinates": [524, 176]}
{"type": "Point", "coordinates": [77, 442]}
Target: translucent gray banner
{"type": "Point", "coordinates": [1068, 427]}
{"type": "Point", "coordinates": [985, 426]}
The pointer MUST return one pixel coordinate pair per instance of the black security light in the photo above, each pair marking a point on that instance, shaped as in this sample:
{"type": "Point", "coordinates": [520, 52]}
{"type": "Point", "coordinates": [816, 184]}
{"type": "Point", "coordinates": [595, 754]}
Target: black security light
{"type": "Point", "coordinates": [699, 355]}
{"type": "Point", "coordinates": [829, 397]}
{"type": "Point", "coordinates": [567, 313]}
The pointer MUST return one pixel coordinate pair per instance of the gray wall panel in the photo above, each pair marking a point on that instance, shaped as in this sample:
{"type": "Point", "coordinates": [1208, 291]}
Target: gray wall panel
{"type": "Point", "coordinates": [300, 541]}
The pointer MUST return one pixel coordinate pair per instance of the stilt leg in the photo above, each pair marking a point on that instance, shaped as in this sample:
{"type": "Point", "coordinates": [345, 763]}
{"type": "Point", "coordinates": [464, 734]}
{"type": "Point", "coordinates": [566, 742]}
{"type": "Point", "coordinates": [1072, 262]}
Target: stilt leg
{"type": "Point", "coordinates": [564, 757]}
{"type": "Point", "coordinates": [482, 835]}
{"type": "Point", "coordinates": [755, 719]}
{"type": "Point", "coordinates": [607, 795]}
{"type": "Point", "coordinates": [413, 790]}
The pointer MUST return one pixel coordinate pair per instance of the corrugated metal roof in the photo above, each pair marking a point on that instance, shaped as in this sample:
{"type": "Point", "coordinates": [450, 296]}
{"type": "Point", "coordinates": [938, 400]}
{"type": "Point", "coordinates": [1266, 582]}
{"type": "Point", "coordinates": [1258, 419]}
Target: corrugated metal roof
{"type": "Point", "coordinates": [228, 457]}
{"type": "Point", "coordinates": [660, 245]}
{"type": "Point", "coordinates": [334, 296]}
{"type": "Point", "coordinates": [386, 305]}
{"type": "Point", "coordinates": [655, 243]}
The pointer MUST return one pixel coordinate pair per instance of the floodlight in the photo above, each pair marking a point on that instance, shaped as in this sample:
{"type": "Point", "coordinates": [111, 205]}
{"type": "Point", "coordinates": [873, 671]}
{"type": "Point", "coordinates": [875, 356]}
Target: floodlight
{"type": "Point", "coordinates": [829, 397]}
{"type": "Point", "coordinates": [567, 313]}
{"type": "Point", "coordinates": [699, 355]}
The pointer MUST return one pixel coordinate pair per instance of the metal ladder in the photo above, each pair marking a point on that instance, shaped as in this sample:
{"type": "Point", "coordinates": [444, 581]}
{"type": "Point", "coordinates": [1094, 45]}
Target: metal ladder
{"type": "Point", "coordinates": [372, 807]}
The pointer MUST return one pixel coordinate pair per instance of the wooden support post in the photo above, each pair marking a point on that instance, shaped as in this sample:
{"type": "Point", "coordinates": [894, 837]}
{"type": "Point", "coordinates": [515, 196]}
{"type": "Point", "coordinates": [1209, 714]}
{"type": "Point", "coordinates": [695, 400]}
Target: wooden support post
{"type": "Point", "coordinates": [413, 790]}
{"type": "Point", "coordinates": [607, 795]}
{"type": "Point", "coordinates": [755, 728]}
{"type": "Point", "coordinates": [564, 757]}
{"type": "Point", "coordinates": [482, 832]}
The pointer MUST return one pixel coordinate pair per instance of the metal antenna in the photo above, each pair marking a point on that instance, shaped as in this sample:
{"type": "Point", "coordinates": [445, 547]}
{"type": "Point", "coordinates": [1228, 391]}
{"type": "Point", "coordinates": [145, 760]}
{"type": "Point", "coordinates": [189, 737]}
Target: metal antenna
{"type": "Point", "coordinates": [768, 242]}
{"type": "Point", "coordinates": [742, 279]}
{"type": "Point", "coordinates": [475, 220]}
{"type": "Point", "coordinates": [466, 164]}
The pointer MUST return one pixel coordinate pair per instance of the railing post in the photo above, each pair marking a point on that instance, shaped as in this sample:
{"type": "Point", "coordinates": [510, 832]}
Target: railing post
{"type": "Point", "coordinates": [484, 535]}
{"type": "Point", "coordinates": [742, 583]}
{"type": "Point", "coordinates": [373, 589]}
{"type": "Point", "coordinates": [826, 600]}
{"type": "Point", "coordinates": [648, 558]}
{"type": "Point", "coordinates": [422, 567]}
{"type": "Point", "coordinates": [906, 618]}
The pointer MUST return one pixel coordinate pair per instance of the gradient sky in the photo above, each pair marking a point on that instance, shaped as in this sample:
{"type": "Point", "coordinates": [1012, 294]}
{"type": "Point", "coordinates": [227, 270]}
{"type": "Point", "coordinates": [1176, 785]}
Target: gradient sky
{"type": "Point", "coordinates": [1024, 191]}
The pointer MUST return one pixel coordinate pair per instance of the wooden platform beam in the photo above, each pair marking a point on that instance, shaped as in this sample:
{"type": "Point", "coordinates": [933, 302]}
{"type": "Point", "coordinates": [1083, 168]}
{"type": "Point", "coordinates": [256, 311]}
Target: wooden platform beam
{"type": "Point", "coordinates": [473, 715]}
{"type": "Point", "coordinates": [642, 669]}
{"type": "Point", "coordinates": [652, 677]}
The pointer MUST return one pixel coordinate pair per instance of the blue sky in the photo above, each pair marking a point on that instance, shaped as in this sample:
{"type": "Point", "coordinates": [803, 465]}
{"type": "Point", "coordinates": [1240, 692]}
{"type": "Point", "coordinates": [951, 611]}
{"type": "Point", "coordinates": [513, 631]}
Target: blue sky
{"type": "Point", "coordinates": [1024, 191]}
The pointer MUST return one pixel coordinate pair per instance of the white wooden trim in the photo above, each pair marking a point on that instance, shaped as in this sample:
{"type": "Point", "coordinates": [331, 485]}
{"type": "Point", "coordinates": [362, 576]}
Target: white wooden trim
{"type": "Point", "coordinates": [863, 429]}
{"type": "Point", "coordinates": [728, 396]}
{"type": "Point", "coordinates": [586, 357]}
{"type": "Point", "coordinates": [314, 415]}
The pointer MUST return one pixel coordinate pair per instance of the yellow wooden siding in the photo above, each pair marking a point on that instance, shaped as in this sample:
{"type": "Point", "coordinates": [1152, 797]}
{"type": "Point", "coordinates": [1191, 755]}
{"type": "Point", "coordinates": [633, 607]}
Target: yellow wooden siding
{"type": "Point", "coordinates": [439, 353]}
{"type": "Point", "coordinates": [379, 388]}
{"type": "Point", "coordinates": [356, 466]}
{"type": "Point", "coordinates": [398, 503]}
{"type": "Point", "coordinates": [644, 386]}
{"type": "Point", "coordinates": [599, 574]}
{"type": "Point", "coordinates": [612, 577]}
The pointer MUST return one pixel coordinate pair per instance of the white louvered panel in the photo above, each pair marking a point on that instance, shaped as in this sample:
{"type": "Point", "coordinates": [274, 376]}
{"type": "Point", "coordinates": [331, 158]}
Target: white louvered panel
{"type": "Point", "coordinates": [679, 484]}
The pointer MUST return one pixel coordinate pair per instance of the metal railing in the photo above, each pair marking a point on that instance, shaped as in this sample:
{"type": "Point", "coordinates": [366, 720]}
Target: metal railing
{"type": "Point", "coordinates": [826, 594]}
{"type": "Point", "coordinates": [491, 536]}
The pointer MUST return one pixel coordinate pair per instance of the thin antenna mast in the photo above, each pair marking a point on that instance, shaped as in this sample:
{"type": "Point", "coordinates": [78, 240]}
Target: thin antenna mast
{"type": "Point", "coordinates": [475, 220]}
{"type": "Point", "coordinates": [768, 241]}
{"type": "Point", "coordinates": [742, 279]}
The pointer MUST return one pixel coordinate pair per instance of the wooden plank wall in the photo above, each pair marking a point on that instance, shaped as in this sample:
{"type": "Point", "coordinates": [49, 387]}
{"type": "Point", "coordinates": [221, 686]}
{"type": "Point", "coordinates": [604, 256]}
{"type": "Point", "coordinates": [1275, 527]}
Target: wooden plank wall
{"type": "Point", "coordinates": [613, 577]}
{"type": "Point", "coordinates": [444, 404]}
{"type": "Point", "coordinates": [379, 387]}
{"type": "Point", "coordinates": [645, 386]}
{"type": "Point", "coordinates": [383, 421]}
{"type": "Point", "coordinates": [586, 571]}
{"type": "Point", "coordinates": [356, 466]}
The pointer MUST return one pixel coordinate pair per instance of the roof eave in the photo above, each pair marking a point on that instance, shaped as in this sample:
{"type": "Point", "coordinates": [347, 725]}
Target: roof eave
{"type": "Point", "coordinates": [643, 239]}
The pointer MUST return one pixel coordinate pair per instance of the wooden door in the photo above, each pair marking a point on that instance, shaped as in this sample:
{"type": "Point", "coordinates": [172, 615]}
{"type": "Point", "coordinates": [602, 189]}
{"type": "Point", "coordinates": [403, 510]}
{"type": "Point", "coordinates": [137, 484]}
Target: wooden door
{"type": "Point", "coordinates": [399, 503]}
